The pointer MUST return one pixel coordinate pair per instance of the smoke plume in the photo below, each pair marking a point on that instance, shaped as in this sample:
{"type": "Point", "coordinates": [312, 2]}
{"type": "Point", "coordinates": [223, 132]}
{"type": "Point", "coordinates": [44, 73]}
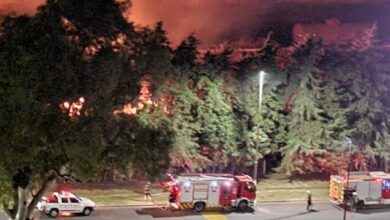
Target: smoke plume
{"type": "Point", "coordinates": [218, 21]}
{"type": "Point", "coordinates": [227, 21]}
{"type": "Point", "coordinates": [211, 21]}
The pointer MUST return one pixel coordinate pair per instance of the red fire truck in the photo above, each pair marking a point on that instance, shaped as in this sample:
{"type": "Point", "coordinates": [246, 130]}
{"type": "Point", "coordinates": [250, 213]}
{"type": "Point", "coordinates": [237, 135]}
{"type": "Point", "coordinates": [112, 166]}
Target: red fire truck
{"type": "Point", "coordinates": [201, 191]}
{"type": "Point", "coordinates": [364, 188]}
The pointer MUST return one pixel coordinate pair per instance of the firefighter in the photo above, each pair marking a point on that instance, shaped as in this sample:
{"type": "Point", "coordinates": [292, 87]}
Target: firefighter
{"type": "Point", "coordinates": [309, 202]}
{"type": "Point", "coordinates": [147, 191]}
{"type": "Point", "coordinates": [174, 192]}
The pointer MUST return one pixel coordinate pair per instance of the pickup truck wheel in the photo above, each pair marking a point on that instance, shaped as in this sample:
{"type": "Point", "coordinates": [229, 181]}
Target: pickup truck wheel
{"type": "Point", "coordinates": [87, 211]}
{"type": "Point", "coordinates": [199, 206]}
{"type": "Point", "coordinates": [53, 213]}
{"type": "Point", "coordinates": [242, 205]}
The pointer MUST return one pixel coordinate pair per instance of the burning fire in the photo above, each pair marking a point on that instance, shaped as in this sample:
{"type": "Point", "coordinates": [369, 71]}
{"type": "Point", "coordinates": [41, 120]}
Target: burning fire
{"type": "Point", "coordinates": [145, 100]}
{"type": "Point", "coordinates": [73, 109]}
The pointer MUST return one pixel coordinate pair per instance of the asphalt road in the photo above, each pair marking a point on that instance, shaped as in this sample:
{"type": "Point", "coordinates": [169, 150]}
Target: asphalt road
{"type": "Point", "coordinates": [269, 211]}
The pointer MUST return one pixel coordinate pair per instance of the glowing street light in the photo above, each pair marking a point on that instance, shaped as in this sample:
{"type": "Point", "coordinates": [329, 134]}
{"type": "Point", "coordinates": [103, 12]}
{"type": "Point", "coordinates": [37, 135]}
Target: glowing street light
{"type": "Point", "coordinates": [261, 85]}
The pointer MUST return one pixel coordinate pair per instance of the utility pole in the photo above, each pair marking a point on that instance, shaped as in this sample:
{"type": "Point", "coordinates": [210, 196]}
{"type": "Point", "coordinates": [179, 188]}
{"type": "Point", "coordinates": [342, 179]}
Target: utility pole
{"type": "Point", "coordinates": [348, 141]}
{"type": "Point", "coordinates": [261, 84]}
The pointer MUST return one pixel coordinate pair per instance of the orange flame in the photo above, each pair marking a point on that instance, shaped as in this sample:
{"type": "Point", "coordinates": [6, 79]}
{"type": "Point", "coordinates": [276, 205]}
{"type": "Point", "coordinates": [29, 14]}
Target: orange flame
{"type": "Point", "coordinates": [145, 99]}
{"type": "Point", "coordinates": [73, 109]}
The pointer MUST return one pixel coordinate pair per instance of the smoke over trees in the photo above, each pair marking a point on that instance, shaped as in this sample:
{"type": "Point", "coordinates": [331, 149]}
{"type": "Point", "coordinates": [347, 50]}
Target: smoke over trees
{"type": "Point", "coordinates": [219, 21]}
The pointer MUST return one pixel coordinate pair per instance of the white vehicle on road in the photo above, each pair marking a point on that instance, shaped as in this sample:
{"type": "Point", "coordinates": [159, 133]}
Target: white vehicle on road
{"type": "Point", "coordinates": [65, 203]}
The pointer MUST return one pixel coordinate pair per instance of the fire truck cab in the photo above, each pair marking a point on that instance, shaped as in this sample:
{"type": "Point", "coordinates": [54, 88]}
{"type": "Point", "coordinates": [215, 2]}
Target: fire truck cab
{"type": "Point", "coordinates": [201, 191]}
{"type": "Point", "coordinates": [364, 189]}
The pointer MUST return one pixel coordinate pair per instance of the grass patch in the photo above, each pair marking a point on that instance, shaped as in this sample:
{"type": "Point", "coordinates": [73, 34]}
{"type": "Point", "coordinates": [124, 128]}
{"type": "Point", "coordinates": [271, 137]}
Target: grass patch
{"type": "Point", "coordinates": [275, 187]}
{"type": "Point", "coordinates": [279, 187]}
{"type": "Point", "coordinates": [118, 196]}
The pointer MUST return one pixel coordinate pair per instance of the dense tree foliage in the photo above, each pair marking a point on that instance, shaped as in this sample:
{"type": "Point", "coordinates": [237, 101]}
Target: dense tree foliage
{"type": "Point", "coordinates": [65, 76]}
{"type": "Point", "coordinates": [319, 96]}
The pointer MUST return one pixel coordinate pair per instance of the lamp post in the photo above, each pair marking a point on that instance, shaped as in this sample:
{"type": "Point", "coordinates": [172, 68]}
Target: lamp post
{"type": "Point", "coordinates": [347, 140]}
{"type": "Point", "coordinates": [261, 84]}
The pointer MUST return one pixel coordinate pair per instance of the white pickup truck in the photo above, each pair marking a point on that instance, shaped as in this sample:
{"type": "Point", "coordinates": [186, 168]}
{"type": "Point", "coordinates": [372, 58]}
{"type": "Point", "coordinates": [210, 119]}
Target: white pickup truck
{"type": "Point", "coordinates": [65, 203]}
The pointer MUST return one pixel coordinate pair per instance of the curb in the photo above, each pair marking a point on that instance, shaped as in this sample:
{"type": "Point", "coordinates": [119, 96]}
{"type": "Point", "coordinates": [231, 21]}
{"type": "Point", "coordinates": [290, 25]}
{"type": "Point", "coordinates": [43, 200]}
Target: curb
{"type": "Point", "coordinates": [292, 201]}
{"type": "Point", "coordinates": [163, 203]}
{"type": "Point", "coordinates": [140, 203]}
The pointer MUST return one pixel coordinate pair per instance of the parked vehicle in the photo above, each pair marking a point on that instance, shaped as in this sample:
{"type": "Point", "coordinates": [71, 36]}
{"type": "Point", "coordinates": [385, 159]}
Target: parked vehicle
{"type": "Point", "coordinates": [202, 191]}
{"type": "Point", "coordinates": [364, 189]}
{"type": "Point", "coordinates": [65, 202]}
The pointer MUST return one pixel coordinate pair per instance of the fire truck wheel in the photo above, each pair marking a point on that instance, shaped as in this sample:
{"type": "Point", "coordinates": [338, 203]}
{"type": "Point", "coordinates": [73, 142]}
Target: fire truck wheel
{"type": "Point", "coordinates": [242, 205]}
{"type": "Point", "coordinates": [53, 213]}
{"type": "Point", "coordinates": [199, 206]}
{"type": "Point", "coordinates": [360, 204]}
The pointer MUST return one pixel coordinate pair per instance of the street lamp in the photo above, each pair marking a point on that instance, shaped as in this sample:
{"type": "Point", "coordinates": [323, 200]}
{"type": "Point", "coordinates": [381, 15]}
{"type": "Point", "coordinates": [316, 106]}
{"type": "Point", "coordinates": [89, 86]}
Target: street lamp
{"type": "Point", "coordinates": [261, 84]}
{"type": "Point", "coordinates": [347, 141]}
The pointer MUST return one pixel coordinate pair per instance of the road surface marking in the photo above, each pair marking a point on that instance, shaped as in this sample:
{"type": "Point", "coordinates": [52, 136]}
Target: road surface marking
{"type": "Point", "coordinates": [263, 210]}
{"type": "Point", "coordinates": [214, 216]}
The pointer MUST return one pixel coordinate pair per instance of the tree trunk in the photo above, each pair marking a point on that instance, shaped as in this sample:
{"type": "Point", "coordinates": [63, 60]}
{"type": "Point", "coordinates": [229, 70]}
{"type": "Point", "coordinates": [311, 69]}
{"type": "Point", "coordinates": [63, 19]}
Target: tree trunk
{"type": "Point", "coordinates": [21, 212]}
{"type": "Point", "coordinates": [233, 167]}
{"type": "Point", "coordinates": [38, 196]}
{"type": "Point", "coordinates": [214, 168]}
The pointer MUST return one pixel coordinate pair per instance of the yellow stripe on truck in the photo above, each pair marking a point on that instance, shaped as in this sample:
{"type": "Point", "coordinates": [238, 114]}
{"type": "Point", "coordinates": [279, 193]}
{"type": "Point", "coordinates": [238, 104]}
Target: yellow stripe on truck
{"type": "Point", "coordinates": [213, 215]}
{"type": "Point", "coordinates": [185, 206]}
{"type": "Point", "coordinates": [336, 190]}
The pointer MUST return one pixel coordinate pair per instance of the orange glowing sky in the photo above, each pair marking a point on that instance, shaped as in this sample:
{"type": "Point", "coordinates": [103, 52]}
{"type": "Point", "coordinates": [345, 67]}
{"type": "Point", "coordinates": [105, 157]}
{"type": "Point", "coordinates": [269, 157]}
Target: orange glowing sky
{"type": "Point", "coordinates": [218, 21]}
{"type": "Point", "coordinates": [20, 6]}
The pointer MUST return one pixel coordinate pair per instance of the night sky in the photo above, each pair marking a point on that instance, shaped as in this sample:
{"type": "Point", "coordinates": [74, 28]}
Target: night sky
{"type": "Point", "coordinates": [218, 21]}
